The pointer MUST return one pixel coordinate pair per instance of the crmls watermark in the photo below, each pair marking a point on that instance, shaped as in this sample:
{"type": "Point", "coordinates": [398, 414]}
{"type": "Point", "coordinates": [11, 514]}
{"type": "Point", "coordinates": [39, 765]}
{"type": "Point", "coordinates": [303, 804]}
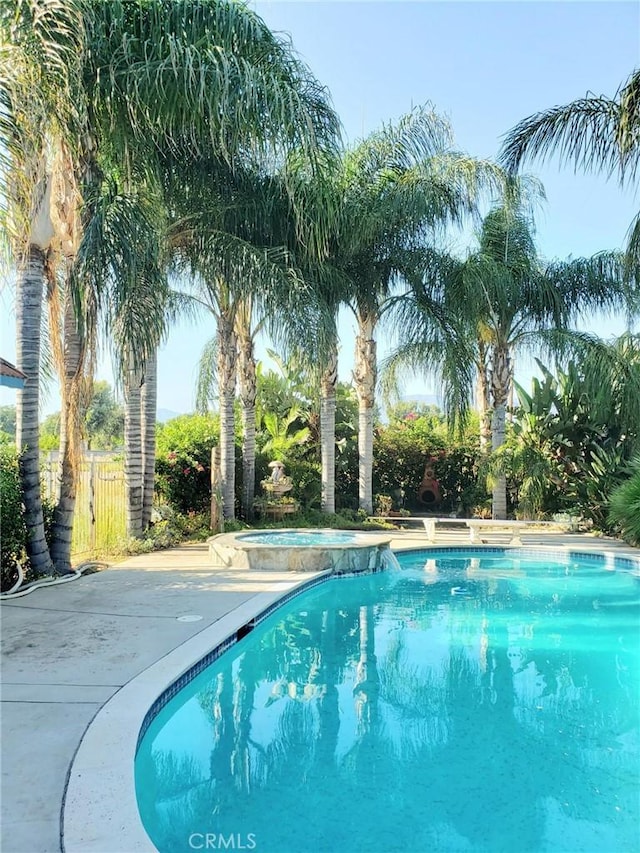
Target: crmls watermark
{"type": "Point", "coordinates": [218, 841]}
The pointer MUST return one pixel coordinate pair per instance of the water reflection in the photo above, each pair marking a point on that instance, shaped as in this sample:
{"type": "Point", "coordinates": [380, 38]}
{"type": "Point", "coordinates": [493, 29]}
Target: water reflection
{"type": "Point", "coordinates": [387, 713]}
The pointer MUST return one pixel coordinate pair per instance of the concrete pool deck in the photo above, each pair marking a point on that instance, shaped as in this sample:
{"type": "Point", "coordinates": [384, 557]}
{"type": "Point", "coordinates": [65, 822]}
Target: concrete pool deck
{"type": "Point", "coordinates": [68, 649]}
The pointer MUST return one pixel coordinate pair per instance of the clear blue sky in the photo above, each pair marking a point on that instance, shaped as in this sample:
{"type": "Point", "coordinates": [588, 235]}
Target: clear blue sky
{"type": "Point", "coordinates": [485, 65]}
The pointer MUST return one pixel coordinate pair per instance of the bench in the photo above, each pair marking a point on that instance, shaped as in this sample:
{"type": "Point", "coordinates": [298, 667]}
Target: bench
{"type": "Point", "coordinates": [476, 526]}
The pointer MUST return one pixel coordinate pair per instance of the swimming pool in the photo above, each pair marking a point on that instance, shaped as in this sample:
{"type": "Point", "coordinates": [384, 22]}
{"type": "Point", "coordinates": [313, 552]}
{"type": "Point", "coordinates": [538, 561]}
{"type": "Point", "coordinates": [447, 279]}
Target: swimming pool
{"type": "Point", "coordinates": [473, 701]}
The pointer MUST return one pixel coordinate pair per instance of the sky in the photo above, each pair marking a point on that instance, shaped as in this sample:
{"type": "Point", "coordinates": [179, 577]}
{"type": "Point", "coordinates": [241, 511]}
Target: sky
{"type": "Point", "coordinates": [485, 65]}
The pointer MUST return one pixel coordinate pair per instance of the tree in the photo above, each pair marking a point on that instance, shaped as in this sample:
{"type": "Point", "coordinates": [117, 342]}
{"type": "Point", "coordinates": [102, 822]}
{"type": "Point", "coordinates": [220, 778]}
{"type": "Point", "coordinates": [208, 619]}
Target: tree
{"type": "Point", "coordinates": [8, 420]}
{"type": "Point", "coordinates": [40, 53]}
{"type": "Point", "coordinates": [503, 296]}
{"type": "Point", "coordinates": [104, 421]}
{"type": "Point", "coordinates": [251, 249]}
{"type": "Point", "coordinates": [97, 92]}
{"type": "Point", "coordinates": [394, 188]}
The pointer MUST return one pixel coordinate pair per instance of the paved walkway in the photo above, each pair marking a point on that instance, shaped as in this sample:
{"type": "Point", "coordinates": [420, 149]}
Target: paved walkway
{"type": "Point", "coordinates": [67, 649]}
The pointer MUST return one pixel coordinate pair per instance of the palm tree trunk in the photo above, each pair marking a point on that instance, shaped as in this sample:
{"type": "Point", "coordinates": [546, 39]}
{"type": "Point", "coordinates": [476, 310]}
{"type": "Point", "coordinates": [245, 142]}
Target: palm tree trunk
{"type": "Point", "coordinates": [328, 432]}
{"type": "Point", "coordinates": [248, 392]}
{"type": "Point", "coordinates": [364, 375]}
{"type": "Point", "coordinates": [500, 382]}
{"type": "Point", "coordinates": [483, 403]}
{"type": "Point", "coordinates": [29, 312]}
{"type": "Point", "coordinates": [133, 451]}
{"type": "Point", "coordinates": [73, 382]}
{"type": "Point", "coordinates": [227, 391]}
{"type": "Point", "coordinates": [148, 408]}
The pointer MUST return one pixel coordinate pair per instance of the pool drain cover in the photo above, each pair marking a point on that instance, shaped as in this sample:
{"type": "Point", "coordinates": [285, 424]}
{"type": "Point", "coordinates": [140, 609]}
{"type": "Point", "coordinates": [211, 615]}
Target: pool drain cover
{"type": "Point", "coordinates": [190, 617]}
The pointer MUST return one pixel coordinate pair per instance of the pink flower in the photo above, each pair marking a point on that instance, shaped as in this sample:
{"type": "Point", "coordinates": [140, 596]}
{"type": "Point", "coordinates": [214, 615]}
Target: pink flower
{"type": "Point", "coordinates": [186, 470]}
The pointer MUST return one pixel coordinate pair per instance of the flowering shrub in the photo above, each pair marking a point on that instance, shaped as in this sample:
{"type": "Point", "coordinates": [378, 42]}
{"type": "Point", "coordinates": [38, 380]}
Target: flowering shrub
{"type": "Point", "coordinates": [402, 450]}
{"type": "Point", "coordinates": [183, 462]}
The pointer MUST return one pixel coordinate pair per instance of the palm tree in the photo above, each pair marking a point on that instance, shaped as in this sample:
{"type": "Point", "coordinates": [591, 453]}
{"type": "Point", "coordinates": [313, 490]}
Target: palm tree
{"type": "Point", "coordinates": [39, 55]}
{"type": "Point", "coordinates": [252, 246]}
{"type": "Point", "coordinates": [595, 133]}
{"type": "Point", "coordinates": [113, 86]}
{"type": "Point", "coordinates": [502, 298]}
{"type": "Point", "coordinates": [394, 188]}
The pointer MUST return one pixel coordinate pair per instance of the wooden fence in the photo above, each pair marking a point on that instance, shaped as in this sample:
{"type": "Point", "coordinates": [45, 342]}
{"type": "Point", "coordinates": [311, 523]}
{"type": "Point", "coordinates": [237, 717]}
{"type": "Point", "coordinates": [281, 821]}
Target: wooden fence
{"type": "Point", "coordinates": [99, 521]}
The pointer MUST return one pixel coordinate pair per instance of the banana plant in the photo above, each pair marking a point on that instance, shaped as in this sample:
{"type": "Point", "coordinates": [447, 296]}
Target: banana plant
{"type": "Point", "coordinates": [284, 433]}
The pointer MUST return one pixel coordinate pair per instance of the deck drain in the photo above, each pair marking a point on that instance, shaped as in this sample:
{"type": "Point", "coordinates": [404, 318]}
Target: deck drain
{"type": "Point", "coordinates": [190, 617]}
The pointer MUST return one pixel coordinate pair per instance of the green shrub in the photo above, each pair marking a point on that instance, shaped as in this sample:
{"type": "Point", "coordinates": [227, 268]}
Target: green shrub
{"type": "Point", "coordinates": [402, 451]}
{"type": "Point", "coordinates": [14, 530]}
{"type": "Point", "coordinates": [183, 461]}
{"type": "Point", "coordinates": [624, 507]}
{"type": "Point", "coordinates": [462, 486]}
{"type": "Point", "coordinates": [171, 530]}
{"type": "Point", "coordinates": [13, 533]}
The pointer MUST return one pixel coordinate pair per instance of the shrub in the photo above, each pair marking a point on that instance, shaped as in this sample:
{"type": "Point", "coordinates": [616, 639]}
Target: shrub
{"type": "Point", "coordinates": [170, 530]}
{"type": "Point", "coordinates": [183, 461]}
{"type": "Point", "coordinates": [14, 530]}
{"type": "Point", "coordinates": [13, 541]}
{"type": "Point", "coordinates": [624, 507]}
{"type": "Point", "coordinates": [401, 452]}
{"type": "Point", "coordinates": [462, 486]}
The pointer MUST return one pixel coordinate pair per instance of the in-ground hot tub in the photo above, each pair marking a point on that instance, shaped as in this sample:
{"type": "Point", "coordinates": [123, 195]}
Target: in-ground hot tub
{"type": "Point", "coordinates": [302, 550]}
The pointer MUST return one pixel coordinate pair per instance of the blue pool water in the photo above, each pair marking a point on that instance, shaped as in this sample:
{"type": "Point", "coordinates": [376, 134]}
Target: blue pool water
{"type": "Point", "coordinates": [468, 702]}
{"type": "Point", "coordinates": [299, 537]}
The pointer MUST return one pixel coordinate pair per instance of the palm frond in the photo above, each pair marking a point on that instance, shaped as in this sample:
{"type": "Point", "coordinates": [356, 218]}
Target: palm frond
{"type": "Point", "coordinates": [207, 381]}
{"type": "Point", "coordinates": [595, 133]}
{"type": "Point", "coordinates": [195, 75]}
{"type": "Point", "coordinates": [599, 283]}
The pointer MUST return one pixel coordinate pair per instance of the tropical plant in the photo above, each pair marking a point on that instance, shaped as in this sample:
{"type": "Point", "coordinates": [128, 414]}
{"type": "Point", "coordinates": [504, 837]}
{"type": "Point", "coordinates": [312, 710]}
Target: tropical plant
{"type": "Point", "coordinates": [284, 434]}
{"type": "Point", "coordinates": [250, 249]}
{"type": "Point", "coordinates": [575, 432]}
{"type": "Point", "coordinates": [624, 507]}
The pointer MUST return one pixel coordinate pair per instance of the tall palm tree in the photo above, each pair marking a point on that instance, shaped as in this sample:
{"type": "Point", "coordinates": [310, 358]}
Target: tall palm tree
{"type": "Point", "coordinates": [253, 229]}
{"type": "Point", "coordinates": [595, 133]}
{"type": "Point", "coordinates": [40, 100]}
{"type": "Point", "coordinates": [505, 298]}
{"type": "Point", "coordinates": [398, 186]}
{"type": "Point", "coordinates": [118, 84]}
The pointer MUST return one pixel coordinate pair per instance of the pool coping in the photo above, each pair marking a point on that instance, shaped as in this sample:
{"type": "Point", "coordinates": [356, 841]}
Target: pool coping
{"type": "Point", "coordinates": [100, 804]}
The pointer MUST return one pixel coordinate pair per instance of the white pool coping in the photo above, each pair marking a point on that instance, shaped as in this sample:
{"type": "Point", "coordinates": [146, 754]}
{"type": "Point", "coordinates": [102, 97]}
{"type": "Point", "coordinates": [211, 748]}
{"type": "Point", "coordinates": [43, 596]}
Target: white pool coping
{"type": "Point", "coordinates": [100, 811]}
